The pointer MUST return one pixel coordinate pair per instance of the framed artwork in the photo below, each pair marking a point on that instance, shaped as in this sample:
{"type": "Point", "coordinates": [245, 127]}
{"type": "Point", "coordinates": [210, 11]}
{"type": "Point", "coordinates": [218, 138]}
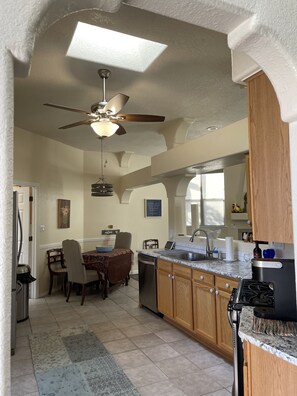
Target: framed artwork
{"type": "Point", "coordinates": [63, 213]}
{"type": "Point", "coordinates": [153, 207]}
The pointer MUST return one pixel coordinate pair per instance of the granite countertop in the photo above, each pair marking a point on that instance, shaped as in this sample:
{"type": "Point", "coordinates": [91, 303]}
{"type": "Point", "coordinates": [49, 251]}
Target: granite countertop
{"type": "Point", "coordinates": [234, 269]}
{"type": "Point", "coordinates": [280, 346]}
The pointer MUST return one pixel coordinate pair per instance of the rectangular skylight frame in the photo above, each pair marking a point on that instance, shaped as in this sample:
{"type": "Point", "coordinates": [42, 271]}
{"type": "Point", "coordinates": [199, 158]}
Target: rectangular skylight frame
{"type": "Point", "coordinates": [108, 47]}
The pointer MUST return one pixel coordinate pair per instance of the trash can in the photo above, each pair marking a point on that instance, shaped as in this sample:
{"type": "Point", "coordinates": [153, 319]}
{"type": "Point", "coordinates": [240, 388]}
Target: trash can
{"type": "Point", "coordinates": [24, 278]}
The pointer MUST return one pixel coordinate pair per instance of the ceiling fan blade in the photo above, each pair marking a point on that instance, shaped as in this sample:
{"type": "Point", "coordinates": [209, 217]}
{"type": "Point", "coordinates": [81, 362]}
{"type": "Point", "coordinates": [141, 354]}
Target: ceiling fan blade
{"type": "Point", "coordinates": [83, 122]}
{"type": "Point", "coordinates": [141, 117]}
{"type": "Point", "coordinates": [121, 130]}
{"type": "Point", "coordinates": [116, 103]}
{"type": "Point", "coordinates": [66, 108]}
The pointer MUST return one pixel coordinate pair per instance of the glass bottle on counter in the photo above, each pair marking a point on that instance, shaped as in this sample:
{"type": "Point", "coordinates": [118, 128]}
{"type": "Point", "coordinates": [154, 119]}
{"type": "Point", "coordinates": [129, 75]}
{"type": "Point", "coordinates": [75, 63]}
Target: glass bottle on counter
{"type": "Point", "coordinates": [257, 252]}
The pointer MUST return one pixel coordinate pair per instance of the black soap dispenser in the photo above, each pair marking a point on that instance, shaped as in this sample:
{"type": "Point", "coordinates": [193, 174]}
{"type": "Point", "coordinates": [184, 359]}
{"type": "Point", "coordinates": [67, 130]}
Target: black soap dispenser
{"type": "Point", "coordinates": [257, 251]}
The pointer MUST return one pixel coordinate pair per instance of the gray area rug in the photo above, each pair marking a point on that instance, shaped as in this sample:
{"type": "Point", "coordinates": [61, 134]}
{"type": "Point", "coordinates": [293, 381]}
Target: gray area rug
{"type": "Point", "coordinates": [73, 362]}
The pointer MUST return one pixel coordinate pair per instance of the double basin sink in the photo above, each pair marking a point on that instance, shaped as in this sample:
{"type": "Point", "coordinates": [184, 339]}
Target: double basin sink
{"type": "Point", "coordinates": [184, 255]}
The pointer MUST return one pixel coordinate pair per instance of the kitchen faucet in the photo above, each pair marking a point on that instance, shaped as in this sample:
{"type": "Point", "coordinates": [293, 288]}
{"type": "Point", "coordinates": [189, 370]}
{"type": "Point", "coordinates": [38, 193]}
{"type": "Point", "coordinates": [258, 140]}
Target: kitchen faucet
{"type": "Point", "coordinates": [208, 249]}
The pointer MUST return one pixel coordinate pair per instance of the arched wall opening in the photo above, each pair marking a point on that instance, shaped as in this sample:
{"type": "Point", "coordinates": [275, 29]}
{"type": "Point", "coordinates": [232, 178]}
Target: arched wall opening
{"type": "Point", "coordinates": [248, 31]}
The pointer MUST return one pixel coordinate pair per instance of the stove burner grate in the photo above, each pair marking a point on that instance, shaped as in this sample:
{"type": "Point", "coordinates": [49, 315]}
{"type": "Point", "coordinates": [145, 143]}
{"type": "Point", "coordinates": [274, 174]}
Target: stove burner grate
{"type": "Point", "coordinates": [255, 293]}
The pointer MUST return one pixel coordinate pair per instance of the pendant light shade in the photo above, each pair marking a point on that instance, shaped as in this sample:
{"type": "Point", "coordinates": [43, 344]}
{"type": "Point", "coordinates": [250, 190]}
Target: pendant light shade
{"type": "Point", "coordinates": [104, 128]}
{"type": "Point", "coordinates": [101, 188]}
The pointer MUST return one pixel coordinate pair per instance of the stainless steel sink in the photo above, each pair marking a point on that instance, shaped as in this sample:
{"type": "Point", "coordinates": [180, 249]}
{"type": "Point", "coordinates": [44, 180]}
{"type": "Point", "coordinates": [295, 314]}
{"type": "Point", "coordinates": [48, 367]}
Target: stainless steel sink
{"type": "Point", "coordinates": [185, 255]}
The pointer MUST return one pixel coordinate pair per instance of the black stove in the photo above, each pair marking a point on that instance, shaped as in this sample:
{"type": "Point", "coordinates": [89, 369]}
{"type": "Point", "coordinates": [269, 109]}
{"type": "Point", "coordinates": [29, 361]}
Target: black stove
{"type": "Point", "coordinates": [251, 293]}
{"type": "Point", "coordinates": [254, 293]}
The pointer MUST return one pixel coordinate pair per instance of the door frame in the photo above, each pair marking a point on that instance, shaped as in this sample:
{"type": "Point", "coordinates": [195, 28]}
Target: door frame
{"type": "Point", "coordinates": [33, 253]}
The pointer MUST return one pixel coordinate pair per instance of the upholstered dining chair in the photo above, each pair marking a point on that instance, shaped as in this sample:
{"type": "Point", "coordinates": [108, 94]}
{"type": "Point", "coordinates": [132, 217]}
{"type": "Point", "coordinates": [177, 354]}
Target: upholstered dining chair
{"type": "Point", "coordinates": [123, 240]}
{"type": "Point", "coordinates": [77, 272]}
{"type": "Point", "coordinates": [57, 268]}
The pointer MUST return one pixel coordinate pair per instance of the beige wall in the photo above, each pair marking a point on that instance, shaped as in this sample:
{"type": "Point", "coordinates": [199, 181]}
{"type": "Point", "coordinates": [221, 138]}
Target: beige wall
{"type": "Point", "coordinates": [60, 171]}
{"type": "Point", "coordinates": [103, 211]}
{"type": "Point", "coordinates": [235, 187]}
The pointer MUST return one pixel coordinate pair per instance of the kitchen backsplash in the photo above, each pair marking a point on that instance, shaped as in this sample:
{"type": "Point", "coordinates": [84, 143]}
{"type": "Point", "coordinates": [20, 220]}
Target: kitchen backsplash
{"type": "Point", "coordinates": [241, 249]}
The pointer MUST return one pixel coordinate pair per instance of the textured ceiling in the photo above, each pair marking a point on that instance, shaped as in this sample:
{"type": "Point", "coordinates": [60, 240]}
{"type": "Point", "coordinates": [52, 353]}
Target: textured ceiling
{"type": "Point", "coordinates": [191, 80]}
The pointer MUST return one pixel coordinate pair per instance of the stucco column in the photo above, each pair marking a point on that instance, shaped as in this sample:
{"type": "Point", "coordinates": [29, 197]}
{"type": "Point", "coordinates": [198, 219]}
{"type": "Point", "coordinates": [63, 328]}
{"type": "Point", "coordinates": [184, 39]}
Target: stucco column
{"type": "Point", "coordinates": [6, 180]}
{"type": "Point", "coordinates": [176, 188]}
{"type": "Point", "coordinates": [177, 216]}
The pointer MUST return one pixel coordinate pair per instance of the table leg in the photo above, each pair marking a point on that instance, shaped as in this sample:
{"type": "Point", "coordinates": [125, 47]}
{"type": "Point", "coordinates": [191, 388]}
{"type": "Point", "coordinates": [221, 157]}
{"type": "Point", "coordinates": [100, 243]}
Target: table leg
{"type": "Point", "coordinates": [104, 291]}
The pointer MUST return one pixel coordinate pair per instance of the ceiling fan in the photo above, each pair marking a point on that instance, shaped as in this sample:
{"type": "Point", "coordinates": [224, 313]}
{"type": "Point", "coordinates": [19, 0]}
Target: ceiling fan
{"type": "Point", "coordinates": [104, 117]}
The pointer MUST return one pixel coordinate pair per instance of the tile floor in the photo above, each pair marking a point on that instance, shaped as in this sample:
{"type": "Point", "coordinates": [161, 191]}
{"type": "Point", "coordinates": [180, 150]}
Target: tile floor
{"type": "Point", "coordinates": [157, 358]}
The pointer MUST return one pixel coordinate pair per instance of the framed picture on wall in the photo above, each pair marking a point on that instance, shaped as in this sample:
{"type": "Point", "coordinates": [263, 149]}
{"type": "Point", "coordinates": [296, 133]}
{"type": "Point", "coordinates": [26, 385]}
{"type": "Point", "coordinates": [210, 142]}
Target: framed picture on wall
{"type": "Point", "coordinates": [63, 213]}
{"type": "Point", "coordinates": [153, 207]}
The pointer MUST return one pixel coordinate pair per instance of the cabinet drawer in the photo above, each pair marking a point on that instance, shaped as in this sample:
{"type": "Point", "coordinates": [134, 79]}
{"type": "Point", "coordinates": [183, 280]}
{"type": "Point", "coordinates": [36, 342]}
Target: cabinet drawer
{"type": "Point", "coordinates": [203, 277]}
{"type": "Point", "coordinates": [182, 270]}
{"type": "Point", "coordinates": [226, 284]}
{"type": "Point", "coordinates": [165, 265]}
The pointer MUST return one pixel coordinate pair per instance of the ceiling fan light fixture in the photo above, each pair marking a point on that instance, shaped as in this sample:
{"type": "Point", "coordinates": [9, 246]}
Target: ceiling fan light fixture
{"type": "Point", "coordinates": [104, 128]}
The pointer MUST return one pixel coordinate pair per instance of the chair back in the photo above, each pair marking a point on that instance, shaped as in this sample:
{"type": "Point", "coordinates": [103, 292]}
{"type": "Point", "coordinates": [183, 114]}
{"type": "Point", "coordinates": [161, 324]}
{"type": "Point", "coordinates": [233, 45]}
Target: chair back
{"type": "Point", "coordinates": [74, 260]}
{"type": "Point", "coordinates": [151, 244]}
{"type": "Point", "coordinates": [123, 240]}
{"type": "Point", "coordinates": [55, 259]}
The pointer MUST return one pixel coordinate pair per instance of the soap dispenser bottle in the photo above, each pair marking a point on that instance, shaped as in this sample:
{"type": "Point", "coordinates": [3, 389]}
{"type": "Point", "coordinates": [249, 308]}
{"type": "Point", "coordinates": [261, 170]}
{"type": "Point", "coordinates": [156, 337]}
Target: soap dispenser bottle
{"type": "Point", "coordinates": [257, 251]}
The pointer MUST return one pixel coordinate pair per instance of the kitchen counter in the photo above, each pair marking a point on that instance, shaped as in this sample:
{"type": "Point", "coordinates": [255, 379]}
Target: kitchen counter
{"type": "Point", "coordinates": [283, 347]}
{"type": "Point", "coordinates": [234, 269]}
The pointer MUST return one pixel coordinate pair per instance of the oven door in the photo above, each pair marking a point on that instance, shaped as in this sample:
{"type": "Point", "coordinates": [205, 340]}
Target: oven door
{"type": "Point", "coordinates": [234, 311]}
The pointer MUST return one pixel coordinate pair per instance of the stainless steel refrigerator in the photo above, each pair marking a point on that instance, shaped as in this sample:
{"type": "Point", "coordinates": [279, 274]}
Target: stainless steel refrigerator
{"type": "Point", "coordinates": [17, 240]}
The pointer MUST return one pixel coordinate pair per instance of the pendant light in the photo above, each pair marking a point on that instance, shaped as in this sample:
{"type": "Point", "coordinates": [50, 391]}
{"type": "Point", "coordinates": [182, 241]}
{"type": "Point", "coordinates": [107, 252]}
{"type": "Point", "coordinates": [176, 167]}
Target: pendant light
{"type": "Point", "coordinates": [101, 188]}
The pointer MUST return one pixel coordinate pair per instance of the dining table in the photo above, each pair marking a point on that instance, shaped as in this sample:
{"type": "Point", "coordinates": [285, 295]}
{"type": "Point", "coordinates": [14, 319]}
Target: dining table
{"type": "Point", "coordinates": [112, 267]}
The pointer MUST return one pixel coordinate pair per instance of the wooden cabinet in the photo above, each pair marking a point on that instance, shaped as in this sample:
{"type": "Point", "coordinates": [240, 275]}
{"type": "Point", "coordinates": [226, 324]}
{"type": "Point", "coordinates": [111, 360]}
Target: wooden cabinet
{"type": "Point", "coordinates": [165, 289]}
{"type": "Point", "coordinates": [175, 293]}
{"type": "Point", "coordinates": [224, 287]}
{"type": "Point", "coordinates": [196, 301]}
{"type": "Point", "coordinates": [269, 164]}
{"type": "Point", "coordinates": [210, 299]}
{"type": "Point", "coordinates": [182, 296]}
{"type": "Point", "coordinates": [266, 374]}
{"type": "Point", "coordinates": [204, 306]}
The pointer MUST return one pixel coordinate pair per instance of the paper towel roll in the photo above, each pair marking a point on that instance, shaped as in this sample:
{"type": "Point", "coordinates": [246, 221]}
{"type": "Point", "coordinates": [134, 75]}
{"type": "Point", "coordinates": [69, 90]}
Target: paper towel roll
{"type": "Point", "coordinates": [229, 249]}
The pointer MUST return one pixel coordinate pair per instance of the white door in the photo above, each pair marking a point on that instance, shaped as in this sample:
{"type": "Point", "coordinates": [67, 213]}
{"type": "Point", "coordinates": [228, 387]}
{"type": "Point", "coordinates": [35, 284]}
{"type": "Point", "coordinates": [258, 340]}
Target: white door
{"type": "Point", "coordinates": [24, 210]}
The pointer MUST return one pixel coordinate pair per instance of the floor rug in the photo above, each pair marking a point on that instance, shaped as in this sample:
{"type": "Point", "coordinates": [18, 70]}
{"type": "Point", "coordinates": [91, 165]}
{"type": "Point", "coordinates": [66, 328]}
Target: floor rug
{"type": "Point", "coordinates": [73, 362]}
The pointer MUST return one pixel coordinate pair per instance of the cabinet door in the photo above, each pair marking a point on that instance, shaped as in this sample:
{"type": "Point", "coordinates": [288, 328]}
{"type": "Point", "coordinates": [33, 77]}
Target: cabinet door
{"type": "Point", "coordinates": [224, 331]}
{"type": "Point", "coordinates": [204, 311]}
{"type": "Point", "coordinates": [183, 307]}
{"type": "Point", "coordinates": [268, 375]}
{"type": "Point", "coordinates": [270, 179]}
{"type": "Point", "coordinates": [165, 294]}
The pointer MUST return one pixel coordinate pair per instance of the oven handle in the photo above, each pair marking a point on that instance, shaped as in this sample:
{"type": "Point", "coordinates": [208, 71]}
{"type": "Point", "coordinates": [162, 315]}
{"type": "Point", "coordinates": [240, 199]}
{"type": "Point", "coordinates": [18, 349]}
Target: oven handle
{"type": "Point", "coordinates": [229, 317]}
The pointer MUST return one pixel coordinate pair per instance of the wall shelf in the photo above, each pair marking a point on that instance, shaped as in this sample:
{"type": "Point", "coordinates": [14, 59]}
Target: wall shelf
{"type": "Point", "coordinates": [239, 216]}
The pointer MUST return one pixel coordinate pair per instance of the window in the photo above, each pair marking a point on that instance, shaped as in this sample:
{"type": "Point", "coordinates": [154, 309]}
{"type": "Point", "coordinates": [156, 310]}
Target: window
{"type": "Point", "coordinates": [207, 193]}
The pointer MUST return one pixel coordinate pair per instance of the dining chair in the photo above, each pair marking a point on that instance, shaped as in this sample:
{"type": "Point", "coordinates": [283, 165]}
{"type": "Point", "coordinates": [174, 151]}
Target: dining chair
{"type": "Point", "coordinates": [123, 240]}
{"type": "Point", "coordinates": [151, 244]}
{"type": "Point", "coordinates": [77, 272]}
{"type": "Point", "coordinates": [56, 266]}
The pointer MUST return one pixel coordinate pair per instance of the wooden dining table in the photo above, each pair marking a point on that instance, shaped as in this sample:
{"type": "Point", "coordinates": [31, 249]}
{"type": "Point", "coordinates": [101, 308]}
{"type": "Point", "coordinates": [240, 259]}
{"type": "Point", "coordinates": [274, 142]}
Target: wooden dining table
{"type": "Point", "coordinates": [114, 267]}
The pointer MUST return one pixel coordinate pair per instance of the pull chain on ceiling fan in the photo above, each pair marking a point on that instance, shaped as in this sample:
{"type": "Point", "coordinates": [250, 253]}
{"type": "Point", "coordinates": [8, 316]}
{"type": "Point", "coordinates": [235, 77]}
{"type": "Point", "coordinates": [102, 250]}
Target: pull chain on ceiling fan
{"type": "Point", "coordinates": [101, 188]}
{"type": "Point", "coordinates": [104, 117]}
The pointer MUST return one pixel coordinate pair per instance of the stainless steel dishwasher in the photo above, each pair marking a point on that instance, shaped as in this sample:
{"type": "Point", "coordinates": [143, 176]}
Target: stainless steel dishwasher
{"type": "Point", "coordinates": [147, 273]}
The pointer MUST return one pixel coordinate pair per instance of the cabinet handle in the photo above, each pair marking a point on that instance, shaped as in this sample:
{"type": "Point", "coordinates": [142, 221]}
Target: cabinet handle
{"type": "Point", "coordinates": [211, 290]}
{"type": "Point", "coordinates": [227, 285]}
{"type": "Point", "coordinates": [169, 275]}
{"type": "Point", "coordinates": [173, 277]}
{"type": "Point", "coordinates": [217, 292]}
{"type": "Point", "coordinates": [201, 277]}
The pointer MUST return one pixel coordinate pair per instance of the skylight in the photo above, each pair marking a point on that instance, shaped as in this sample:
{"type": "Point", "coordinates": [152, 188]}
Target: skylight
{"type": "Point", "coordinates": [108, 47]}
